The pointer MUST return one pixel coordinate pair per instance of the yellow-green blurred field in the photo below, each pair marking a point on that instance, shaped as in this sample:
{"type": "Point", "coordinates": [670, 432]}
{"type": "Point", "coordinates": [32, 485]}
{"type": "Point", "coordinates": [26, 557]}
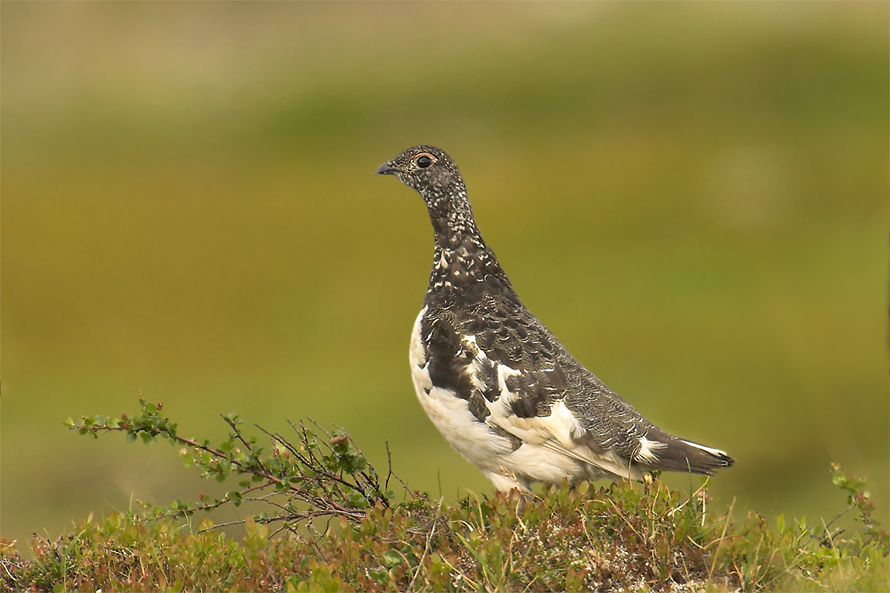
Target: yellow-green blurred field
{"type": "Point", "coordinates": [693, 196]}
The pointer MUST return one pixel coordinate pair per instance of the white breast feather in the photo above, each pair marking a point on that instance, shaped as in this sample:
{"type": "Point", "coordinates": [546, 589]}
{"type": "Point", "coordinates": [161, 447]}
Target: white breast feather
{"type": "Point", "coordinates": [451, 415]}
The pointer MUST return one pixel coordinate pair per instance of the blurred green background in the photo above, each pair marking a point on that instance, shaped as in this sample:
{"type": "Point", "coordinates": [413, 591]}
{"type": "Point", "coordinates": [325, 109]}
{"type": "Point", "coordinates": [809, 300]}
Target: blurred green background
{"type": "Point", "coordinates": [692, 196]}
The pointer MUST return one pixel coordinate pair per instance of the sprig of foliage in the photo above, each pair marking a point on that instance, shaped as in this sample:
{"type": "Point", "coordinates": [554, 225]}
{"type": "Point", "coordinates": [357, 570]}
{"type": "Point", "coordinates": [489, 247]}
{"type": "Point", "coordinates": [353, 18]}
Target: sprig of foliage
{"type": "Point", "coordinates": [299, 481]}
{"type": "Point", "coordinates": [860, 499]}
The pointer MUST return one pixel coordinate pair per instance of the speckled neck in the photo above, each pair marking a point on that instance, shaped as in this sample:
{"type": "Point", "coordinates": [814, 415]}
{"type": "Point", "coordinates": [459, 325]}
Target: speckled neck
{"type": "Point", "coordinates": [463, 265]}
{"type": "Point", "coordinates": [451, 215]}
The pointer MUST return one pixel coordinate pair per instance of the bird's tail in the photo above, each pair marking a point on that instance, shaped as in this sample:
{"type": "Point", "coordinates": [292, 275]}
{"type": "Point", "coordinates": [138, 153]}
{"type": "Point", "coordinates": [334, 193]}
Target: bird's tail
{"type": "Point", "coordinates": [680, 455]}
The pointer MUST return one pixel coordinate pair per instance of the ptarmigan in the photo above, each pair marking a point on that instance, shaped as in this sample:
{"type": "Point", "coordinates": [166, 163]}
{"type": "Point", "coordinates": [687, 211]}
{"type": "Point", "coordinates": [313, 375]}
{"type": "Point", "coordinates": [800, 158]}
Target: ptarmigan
{"type": "Point", "coordinates": [496, 383]}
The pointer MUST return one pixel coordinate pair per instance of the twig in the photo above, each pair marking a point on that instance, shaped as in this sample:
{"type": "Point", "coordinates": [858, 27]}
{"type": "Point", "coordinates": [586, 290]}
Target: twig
{"type": "Point", "coordinates": [388, 469]}
{"type": "Point", "coordinates": [234, 427]}
{"type": "Point", "coordinates": [426, 548]}
{"type": "Point", "coordinates": [720, 541]}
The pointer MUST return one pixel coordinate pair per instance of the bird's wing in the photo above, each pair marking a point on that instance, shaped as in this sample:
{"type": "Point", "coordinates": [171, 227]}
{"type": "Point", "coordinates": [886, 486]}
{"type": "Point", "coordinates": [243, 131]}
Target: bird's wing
{"type": "Point", "coordinates": [517, 377]}
{"type": "Point", "coordinates": [528, 383]}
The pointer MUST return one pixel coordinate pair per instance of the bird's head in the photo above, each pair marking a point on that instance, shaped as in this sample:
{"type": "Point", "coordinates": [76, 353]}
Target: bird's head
{"type": "Point", "coordinates": [431, 173]}
{"type": "Point", "coordinates": [426, 169]}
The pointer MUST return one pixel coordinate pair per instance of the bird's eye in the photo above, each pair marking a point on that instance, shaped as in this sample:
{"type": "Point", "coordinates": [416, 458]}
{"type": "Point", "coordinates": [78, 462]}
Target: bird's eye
{"type": "Point", "coordinates": [424, 161]}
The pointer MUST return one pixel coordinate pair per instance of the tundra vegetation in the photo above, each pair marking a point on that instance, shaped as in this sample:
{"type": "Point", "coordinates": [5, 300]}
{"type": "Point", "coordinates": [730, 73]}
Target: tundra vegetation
{"type": "Point", "coordinates": [318, 517]}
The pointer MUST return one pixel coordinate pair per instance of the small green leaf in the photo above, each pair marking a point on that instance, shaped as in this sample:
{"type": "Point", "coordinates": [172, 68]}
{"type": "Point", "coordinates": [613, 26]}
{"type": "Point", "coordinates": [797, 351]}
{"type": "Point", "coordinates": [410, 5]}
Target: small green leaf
{"type": "Point", "coordinates": [381, 575]}
{"type": "Point", "coordinates": [391, 558]}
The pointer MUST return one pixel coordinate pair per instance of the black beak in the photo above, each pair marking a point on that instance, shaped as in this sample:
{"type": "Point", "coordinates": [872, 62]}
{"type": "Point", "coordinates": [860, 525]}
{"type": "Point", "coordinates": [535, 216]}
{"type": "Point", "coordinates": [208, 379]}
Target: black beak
{"type": "Point", "coordinates": [385, 169]}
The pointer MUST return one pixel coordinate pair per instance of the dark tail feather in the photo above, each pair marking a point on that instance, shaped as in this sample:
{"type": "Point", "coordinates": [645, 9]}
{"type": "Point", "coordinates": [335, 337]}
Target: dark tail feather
{"type": "Point", "coordinates": [679, 455]}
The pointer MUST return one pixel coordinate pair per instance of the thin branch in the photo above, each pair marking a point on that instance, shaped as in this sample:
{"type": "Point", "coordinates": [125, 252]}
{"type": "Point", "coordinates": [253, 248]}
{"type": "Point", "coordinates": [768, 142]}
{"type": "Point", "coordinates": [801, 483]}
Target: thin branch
{"type": "Point", "coordinates": [426, 548]}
